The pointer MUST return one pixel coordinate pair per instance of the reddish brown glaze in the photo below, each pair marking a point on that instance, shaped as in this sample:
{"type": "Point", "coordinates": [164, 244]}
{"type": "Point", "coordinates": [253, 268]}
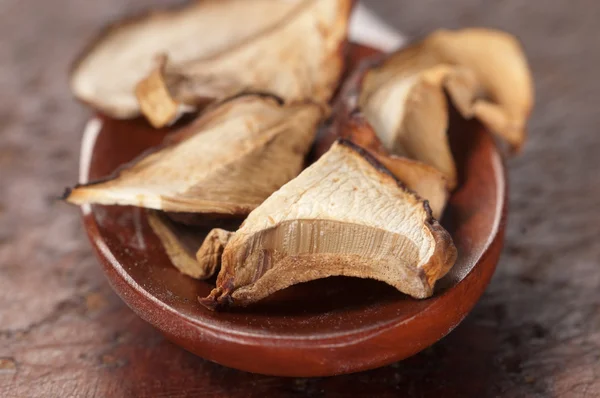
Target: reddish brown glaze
{"type": "Point", "coordinates": [326, 327]}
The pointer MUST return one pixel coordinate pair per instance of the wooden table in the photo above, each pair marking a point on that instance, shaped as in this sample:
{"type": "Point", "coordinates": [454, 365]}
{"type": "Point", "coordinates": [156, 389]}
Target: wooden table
{"type": "Point", "coordinates": [535, 333]}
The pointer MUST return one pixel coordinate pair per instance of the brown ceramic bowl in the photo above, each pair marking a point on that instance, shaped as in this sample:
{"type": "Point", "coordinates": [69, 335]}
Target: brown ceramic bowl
{"type": "Point", "coordinates": [325, 327]}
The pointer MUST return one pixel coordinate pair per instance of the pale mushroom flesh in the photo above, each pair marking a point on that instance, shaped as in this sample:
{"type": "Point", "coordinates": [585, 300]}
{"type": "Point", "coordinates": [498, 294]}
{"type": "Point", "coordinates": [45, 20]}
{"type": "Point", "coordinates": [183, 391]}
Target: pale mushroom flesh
{"type": "Point", "coordinates": [300, 58]}
{"type": "Point", "coordinates": [424, 180]}
{"type": "Point", "coordinates": [226, 162]}
{"type": "Point", "coordinates": [344, 215]}
{"type": "Point", "coordinates": [106, 74]}
{"type": "Point", "coordinates": [485, 74]}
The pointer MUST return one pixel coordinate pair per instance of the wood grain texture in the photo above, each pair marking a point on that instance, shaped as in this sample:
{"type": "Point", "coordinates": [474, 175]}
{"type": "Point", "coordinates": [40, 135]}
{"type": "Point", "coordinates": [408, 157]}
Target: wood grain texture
{"type": "Point", "coordinates": [535, 333]}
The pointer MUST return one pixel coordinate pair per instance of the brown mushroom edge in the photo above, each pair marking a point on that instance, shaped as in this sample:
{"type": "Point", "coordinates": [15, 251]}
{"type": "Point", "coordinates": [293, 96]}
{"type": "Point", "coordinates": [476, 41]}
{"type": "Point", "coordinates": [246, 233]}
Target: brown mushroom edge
{"type": "Point", "coordinates": [440, 262]}
{"type": "Point", "coordinates": [178, 208]}
{"type": "Point", "coordinates": [108, 30]}
{"type": "Point", "coordinates": [164, 92]}
{"type": "Point", "coordinates": [153, 15]}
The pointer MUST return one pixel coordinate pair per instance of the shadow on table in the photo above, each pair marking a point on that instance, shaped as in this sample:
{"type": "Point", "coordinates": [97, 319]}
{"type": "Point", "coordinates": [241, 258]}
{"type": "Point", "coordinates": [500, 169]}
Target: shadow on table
{"type": "Point", "coordinates": [467, 363]}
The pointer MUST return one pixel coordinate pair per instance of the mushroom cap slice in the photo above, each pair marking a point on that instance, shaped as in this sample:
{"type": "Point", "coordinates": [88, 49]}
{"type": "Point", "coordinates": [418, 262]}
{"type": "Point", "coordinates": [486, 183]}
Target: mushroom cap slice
{"type": "Point", "coordinates": [106, 73]}
{"type": "Point", "coordinates": [485, 74]}
{"type": "Point", "coordinates": [226, 162]}
{"type": "Point", "coordinates": [299, 58]}
{"type": "Point", "coordinates": [344, 215]}
{"type": "Point", "coordinates": [427, 182]}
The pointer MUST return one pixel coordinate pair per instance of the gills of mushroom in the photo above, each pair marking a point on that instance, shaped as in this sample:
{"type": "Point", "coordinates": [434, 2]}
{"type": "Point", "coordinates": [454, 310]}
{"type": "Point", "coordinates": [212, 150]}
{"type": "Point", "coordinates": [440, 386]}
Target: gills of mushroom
{"type": "Point", "coordinates": [227, 162]}
{"type": "Point", "coordinates": [485, 74]}
{"type": "Point", "coordinates": [344, 215]}
{"type": "Point", "coordinates": [301, 57]}
{"type": "Point", "coordinates": [427, 182]}
{"type": "Point", "coordinates": [106, 74]}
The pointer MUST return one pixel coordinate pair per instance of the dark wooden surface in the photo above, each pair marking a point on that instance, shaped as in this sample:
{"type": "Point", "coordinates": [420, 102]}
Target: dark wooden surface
{"type": "Point", "coordinates": [535, 333]}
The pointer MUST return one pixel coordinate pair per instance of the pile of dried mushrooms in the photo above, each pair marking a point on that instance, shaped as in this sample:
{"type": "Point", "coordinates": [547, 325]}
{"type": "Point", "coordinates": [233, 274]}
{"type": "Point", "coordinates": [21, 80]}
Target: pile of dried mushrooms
{"type": "Point", "coordinates": [260, 75]}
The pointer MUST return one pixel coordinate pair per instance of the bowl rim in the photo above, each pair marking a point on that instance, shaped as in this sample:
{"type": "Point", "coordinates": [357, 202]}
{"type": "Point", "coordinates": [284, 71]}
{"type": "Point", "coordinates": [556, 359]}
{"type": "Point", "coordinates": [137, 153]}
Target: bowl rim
{"type": "Point", "coordinates": [151, 307]}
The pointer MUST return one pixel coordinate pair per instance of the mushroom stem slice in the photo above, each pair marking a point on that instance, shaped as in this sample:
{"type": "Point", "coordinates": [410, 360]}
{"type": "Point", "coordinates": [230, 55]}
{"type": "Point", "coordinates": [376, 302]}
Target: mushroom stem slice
{"type": "Point", "coordinates": [106, 74]}
{"type": "Point", "coordinates": [300, 58]}
{"type": "Point", "coordinates": [344, 215]}
{"type": "Point", "coordinates": [226, 162]}
{"type": "Point", "coordinates": [180, 244]}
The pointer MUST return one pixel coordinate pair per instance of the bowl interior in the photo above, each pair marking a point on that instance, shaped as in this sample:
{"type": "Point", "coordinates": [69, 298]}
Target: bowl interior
{"type": "Point", "coordinates": [325, 327]}
{"type": "Point", "coordinates": [320, 309]}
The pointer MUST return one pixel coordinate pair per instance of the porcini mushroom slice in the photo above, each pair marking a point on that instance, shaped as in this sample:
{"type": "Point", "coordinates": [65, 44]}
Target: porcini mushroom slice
{"type": "Point", "coordinates": [181, 243]}
{"type": "Point", "coordinates": [106, 74]}
{"type": "Point", "coordinates": [344, 215]}
{"type": "Point", "coordinates": [193, 252]}
{"type": "Point", "coordinates": [484, 72]}
{"type": "Point", "coordinates": [424, 180]}
{"type": "Point", "coordinates": [420, 178]}
{"type": "Point", "coordinates": [411, 119]}
{"type": "Point", "coordinates": [210, 252]}
{"type": "Point", "coordinates": [226, 162]}
{"type": "Point", "coordinates": [299, 58]}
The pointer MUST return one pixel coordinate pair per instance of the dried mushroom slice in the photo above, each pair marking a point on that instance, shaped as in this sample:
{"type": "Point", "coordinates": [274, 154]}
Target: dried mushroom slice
{"type": "Point", "coordinates": [411, 119]}
{"type": "Point", "coordinates": [157, 100]}
{"type": "Point", "coordinates": [106, 74]}
{"type": "Point", "coordinates": [193, 252]}
{"type": "Point", "coordinates": [299, 58]}
{"type": "Point", "coordinates": [210, 252]}
{"type": "Point", "coordinates": [226, 162]}
{"type": "Point", "coordinates": [485, 74]}
{"type": "Point", "coordinates": [424, 180]}
{"type": "Point", "coordinates": [343, 215]}
{"type": "Point", "coordinates": [181, 244]}
{"type": "Point", "coordinates": [420, 178]}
